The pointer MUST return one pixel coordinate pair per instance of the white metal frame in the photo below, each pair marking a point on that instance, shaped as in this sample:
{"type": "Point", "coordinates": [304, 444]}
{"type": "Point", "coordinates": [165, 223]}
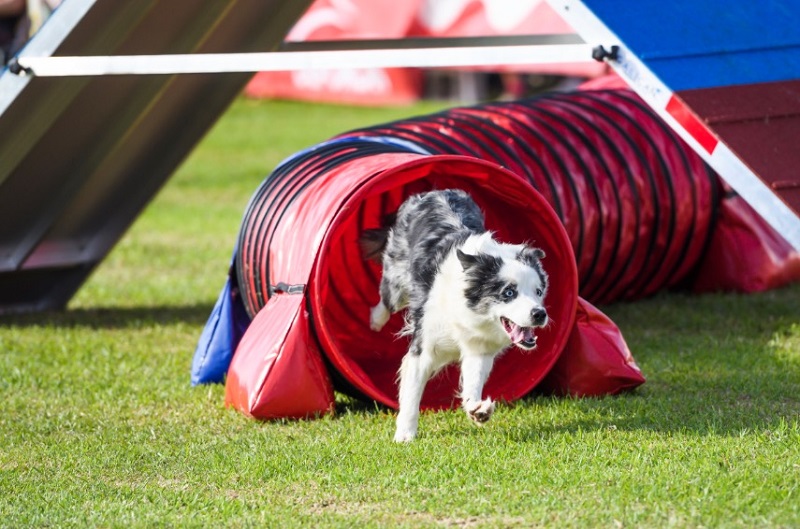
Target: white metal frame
{"type": "Point", "coordinates": [405, 53]}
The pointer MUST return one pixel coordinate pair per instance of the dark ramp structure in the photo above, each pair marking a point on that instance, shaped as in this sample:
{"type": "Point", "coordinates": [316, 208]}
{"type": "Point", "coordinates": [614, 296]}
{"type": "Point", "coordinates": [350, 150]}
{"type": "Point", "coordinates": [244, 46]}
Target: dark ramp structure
{"type": "Point", "coordinates": [80, 157]}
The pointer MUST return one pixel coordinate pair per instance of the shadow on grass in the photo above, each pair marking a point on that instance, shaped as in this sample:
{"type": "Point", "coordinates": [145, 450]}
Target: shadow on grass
{"type": "Point", "coordinates": [112, 317]}
{"type": "Point", "coordinates": [346, 404]}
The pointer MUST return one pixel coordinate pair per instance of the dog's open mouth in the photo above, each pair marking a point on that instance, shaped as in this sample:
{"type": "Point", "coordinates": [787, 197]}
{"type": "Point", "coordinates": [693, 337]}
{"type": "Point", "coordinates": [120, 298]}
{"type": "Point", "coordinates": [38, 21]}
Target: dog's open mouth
{"type": "Point", "coordinates": [522, 336]}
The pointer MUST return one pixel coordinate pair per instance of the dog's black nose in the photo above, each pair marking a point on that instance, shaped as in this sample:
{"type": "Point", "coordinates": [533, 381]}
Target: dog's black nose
{"type": "Point", "coordinates": [538, 316]}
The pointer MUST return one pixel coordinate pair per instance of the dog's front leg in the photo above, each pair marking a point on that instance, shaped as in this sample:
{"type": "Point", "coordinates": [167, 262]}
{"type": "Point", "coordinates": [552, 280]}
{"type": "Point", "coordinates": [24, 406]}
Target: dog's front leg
{"type": "Point", "coordinates": [415, 371]}
{"type": "Point", "coordinates": [475, 370]}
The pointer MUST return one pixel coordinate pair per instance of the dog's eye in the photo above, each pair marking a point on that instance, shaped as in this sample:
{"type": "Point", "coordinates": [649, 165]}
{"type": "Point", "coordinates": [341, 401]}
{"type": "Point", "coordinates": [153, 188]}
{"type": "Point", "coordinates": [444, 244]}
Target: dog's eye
{"type": "Point", "coordinates": [509, 293]}
{"type": "Point", "coordinates": [539, 292]}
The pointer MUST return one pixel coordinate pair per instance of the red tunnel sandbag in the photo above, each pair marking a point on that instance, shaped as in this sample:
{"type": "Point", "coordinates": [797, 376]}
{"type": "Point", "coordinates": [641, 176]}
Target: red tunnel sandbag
{"type": "Point", "coordinates": [596, 360]}
{"type": "Point", "coordinates": [277, 371]}
{"type": "Point", "coordinates": [313, 246]}
{"type": "Point", "coordinates": [745, 254]}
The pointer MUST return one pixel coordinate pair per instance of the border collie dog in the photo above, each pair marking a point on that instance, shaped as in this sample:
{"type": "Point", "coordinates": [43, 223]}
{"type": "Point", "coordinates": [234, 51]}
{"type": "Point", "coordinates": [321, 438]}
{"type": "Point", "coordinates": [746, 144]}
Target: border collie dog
{"type": "Point", "coordinates": [468, 297]}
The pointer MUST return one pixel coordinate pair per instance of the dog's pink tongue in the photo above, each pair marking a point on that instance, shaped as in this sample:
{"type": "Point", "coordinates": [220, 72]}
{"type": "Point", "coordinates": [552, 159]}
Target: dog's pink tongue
{"type": "Point", "coordinates": [521, 334]}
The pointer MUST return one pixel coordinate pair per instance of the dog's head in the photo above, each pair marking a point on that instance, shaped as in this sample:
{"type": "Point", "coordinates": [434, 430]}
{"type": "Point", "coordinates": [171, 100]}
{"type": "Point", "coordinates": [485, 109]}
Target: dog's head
{"type": "Point", "coordinates": [508, 284]}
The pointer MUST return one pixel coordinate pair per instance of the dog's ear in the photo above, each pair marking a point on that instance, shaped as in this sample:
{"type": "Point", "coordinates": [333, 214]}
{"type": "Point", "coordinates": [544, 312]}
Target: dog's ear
{"type": "Point", "coordinates": [373, 243]}
{"type": "Point", "coordinates": [530, 255]}
{"type": "Point", "coordinates": [466, 259]}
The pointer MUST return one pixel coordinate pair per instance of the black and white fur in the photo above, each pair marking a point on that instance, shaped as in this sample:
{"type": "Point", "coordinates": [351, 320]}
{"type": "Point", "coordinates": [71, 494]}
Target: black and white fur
{"type": "Point", "coordinates": [468, 296]}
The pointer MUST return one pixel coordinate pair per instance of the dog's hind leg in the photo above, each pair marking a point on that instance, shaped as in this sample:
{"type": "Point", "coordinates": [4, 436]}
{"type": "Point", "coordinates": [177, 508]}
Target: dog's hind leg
{"type": "Point", "coordinates": [415, 371]}
{"type": "Point", "coordinates": [378, 316]}
{"type": "Point", "coordinates": [475, 370]}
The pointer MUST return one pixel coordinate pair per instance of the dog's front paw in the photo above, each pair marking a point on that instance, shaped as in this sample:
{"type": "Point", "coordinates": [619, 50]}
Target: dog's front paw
{"type": "Point", "coordinates": [378, 316]}
{"type": "Point", "coordinates": [404, 436]}
{"type": "Point", "coordinates": [405, 427]}
{"type": "Point", "coordinates": [480, 411]}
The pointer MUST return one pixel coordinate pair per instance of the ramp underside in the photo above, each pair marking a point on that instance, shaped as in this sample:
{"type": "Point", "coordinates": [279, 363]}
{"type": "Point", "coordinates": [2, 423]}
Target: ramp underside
{"type": "Point", "coordinates": [81, 157]}
{"type": "Point", "coordinates": [761, 124]}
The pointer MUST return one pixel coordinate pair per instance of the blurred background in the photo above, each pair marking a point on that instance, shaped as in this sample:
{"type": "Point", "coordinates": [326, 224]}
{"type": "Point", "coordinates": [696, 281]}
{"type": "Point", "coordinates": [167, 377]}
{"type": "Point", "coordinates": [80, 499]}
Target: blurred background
{"type": "Point", "coordinates": [386, 19]}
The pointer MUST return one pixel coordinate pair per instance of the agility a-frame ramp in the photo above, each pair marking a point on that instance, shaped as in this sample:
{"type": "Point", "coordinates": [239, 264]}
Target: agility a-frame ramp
{"type": "Point", "coordinates": [725, 75]}
{"type": "Point", "coordinates": [95, 116]}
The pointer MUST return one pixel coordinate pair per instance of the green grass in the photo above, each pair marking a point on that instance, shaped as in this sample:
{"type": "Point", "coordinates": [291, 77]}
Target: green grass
{"type": "Point", "coordinates": [99, 426]}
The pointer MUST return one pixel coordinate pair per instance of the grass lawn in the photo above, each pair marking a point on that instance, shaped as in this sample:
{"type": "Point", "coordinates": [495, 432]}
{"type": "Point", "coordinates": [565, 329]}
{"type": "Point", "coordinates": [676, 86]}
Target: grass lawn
{"type": "Point", "coordinates": [100, 427]}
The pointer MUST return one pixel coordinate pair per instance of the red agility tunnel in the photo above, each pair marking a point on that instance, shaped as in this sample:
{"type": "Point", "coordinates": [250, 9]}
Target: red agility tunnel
{"type": "Point", "coordinates": [305, 283]}
{"type": "Point", "coordinates": [620, 204]}
{"type": "Point", "coordinates": [637, 204]}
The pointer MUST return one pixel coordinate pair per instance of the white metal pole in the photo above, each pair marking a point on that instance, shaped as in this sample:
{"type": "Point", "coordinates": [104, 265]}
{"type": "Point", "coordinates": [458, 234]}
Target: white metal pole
{"type": "Point", "coordinates": [433, 57]}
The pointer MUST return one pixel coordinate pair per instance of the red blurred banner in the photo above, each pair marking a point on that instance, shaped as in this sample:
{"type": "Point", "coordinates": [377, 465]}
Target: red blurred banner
{"type": "Point", "coordinates": [394, 19]}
